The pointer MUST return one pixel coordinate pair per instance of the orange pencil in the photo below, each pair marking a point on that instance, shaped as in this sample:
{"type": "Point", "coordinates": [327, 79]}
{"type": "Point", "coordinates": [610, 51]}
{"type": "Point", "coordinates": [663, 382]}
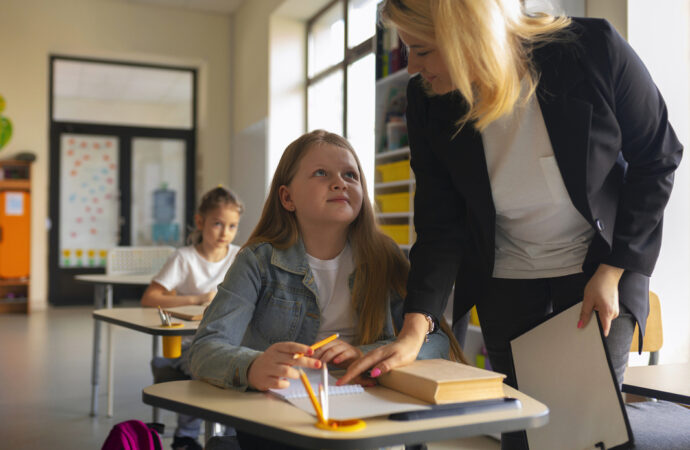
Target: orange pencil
{"type": "Point", "coordinates": [321, 343]}
{"type": "Point", "coordinates": [312, 397]}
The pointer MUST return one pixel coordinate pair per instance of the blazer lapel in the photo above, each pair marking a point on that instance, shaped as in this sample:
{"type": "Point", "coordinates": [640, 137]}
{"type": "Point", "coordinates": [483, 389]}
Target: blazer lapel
{"type": "Point", "coordinates": [567, 119]}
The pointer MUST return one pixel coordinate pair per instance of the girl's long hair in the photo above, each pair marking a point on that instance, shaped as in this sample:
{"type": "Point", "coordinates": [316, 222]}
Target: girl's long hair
{"type": "Point", "coordinates": [486, 45]}
{"type": "Point", "coordinates": [380, 266]}
{"type": "Point", "coordinates": [211, 200]}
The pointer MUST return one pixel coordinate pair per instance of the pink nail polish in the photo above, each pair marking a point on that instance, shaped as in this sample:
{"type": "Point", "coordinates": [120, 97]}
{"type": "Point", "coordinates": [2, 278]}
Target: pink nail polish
{"type": "Point", "coordinates": [579, 324]}
{"type": "Point", "coordinates": [375, 373]}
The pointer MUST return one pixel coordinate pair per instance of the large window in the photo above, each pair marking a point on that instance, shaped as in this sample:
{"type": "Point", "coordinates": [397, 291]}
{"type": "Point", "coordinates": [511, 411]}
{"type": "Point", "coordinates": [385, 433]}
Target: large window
{"type": "Point", "coordinates": [341, 74]}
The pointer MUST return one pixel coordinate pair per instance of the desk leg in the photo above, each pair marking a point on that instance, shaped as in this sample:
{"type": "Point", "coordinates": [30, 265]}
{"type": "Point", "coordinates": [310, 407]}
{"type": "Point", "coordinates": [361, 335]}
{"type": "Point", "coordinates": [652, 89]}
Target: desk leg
{"type": "Point", "coordinates": [154, 352]}
{"type": "Point", "coordinates": [98, 300]}
{"type": "Point", "coordinates": [109, 304]}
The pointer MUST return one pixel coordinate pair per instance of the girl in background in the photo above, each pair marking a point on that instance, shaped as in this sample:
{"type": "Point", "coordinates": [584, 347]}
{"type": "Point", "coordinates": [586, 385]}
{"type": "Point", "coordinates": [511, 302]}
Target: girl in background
{"type": "Point", "coordinates": [190, 277]}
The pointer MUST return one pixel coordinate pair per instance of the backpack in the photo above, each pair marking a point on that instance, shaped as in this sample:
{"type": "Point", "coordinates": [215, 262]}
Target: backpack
{"type": "Point", "coordinates": [132, 435]}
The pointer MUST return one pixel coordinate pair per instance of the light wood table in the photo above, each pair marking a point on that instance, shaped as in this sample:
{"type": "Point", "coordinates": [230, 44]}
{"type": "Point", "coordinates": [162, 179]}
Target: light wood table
{"type": "Point", "coordinates": [669, 382]}
{"type": "Point", "coordinates": [265, 415]}
{"type": "Point", "coordinates": [103, 298]}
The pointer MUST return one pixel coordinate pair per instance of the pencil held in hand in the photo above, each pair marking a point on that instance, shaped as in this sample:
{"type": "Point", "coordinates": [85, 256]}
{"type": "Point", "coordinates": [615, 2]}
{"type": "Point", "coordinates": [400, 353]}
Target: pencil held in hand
{"type": "Point", "coordinates": [319, 344]}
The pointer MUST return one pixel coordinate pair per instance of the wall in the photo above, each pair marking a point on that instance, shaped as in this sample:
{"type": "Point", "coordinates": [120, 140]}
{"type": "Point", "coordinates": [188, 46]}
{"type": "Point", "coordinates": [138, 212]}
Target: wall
{"type": "Point", "coordinates": [31, 30]}
{"type": "Point", "coordinates": [660, 36]}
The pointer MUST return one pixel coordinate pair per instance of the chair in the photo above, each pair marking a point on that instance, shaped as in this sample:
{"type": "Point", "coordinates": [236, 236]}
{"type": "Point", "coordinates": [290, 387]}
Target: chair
{"type": "Point", "coordinates": [656, 424]}
{"type": "Point", "coordinates": [137, 260]}
{"type": "Point", "coordinates": [653, 331]}
{"type": "Point", "coordinates": [131, 261]}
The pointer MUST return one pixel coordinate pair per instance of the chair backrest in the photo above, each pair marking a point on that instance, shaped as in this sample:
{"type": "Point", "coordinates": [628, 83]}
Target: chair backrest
{"type": "Point", "coordinates": [654, 333]}
{"type": "Point", "coordinates": [137, 260]}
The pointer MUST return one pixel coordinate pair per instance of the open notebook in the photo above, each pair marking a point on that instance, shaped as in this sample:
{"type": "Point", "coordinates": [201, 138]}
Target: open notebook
{"type": "Point", "coordinates": [350, 401]}
{"type": "Point", "coordinates": [569, 370]}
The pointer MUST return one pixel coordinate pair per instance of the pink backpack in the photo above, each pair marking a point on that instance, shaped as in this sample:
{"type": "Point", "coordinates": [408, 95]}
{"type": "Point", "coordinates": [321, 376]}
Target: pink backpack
{"type": "Point", "coordinates": [132, 435]}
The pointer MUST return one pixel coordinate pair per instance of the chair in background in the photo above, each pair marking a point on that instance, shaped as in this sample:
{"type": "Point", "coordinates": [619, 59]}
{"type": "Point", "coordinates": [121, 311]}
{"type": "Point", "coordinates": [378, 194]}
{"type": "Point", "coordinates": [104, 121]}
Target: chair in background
{"type": "Point", "coordinates": [128, 261]}
{"type": "Point", "coordinates": [653, 331]}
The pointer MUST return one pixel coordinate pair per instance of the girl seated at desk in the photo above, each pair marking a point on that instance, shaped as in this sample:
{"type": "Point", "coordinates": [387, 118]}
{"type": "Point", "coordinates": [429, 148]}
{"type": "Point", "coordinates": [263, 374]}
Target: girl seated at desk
{"type": "Point", "coordinates": [190, 277]}
{"type": "Point", "coordinates": [316, 264]}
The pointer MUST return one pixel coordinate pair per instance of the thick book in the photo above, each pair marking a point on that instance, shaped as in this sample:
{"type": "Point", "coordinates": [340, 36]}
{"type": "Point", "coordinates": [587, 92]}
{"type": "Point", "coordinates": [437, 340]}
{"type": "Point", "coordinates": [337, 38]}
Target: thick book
{"type": "Point", "coordinates": [442, 381]}
{"type": "Point", "coordinates": [187, 312]}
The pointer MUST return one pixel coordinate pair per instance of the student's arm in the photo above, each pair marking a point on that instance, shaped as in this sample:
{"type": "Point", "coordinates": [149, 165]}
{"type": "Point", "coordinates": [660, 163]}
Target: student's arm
{"type": "Point", "coordinates": [217, 355]}
{"type": "Point", "coordinates": [157, 295]}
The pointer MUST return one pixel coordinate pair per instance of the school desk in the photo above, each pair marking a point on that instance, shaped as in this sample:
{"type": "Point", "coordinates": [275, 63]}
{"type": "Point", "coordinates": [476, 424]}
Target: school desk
{"type": "Point", "coordinates": [265, 415]}
{"type": "Point", "coordinates": [669, 382]}
{"type": "Point", "coordinates": [103, 297]}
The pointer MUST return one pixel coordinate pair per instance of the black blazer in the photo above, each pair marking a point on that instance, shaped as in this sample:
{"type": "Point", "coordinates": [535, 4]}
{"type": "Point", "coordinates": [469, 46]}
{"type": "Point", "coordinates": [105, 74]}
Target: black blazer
{"type": "Point", "coordinates": [615, 149]}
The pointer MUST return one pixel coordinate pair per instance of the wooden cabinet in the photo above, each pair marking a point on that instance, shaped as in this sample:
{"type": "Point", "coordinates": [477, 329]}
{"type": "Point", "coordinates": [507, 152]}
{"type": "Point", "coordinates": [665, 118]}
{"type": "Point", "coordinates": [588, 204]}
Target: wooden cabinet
{"type": "Point", "coordinates": [15, 230]}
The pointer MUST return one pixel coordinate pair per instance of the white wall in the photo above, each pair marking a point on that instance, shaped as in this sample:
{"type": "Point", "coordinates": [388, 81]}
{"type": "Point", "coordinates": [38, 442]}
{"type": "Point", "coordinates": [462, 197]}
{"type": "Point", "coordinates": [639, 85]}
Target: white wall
{"type": "Point", "coordinates": [31, 30]}
{"type": "Point", "coordinates": [660, 35]}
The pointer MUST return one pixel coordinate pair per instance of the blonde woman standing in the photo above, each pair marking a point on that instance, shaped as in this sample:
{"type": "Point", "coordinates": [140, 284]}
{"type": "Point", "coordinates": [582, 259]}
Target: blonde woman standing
{"type": "Point", "coordinates": [544, 160]}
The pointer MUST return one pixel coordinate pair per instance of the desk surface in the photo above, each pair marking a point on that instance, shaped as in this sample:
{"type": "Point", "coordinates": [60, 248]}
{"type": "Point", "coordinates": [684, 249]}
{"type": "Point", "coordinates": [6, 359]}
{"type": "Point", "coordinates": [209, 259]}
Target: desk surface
{"type": "Point", "coordinates": [265, 415]}
{"type": "Point", "coordinates": [145, 320]}
{"type": "Point", "coordinates": [665, 381]}
{"type": "Point", "coordinates": [104, 278]}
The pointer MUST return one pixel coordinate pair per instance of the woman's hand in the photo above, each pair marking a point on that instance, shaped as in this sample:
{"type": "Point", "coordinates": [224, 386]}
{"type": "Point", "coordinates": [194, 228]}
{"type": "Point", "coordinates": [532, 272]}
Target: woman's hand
{"type": "Point", "coordinates": [273, 367]}
{"type": "Point", "coordinates": [399, 353]}
{"type": "Point", "coordinates": [339, 353]}
{"type": "Point", "coordinates": [601, 294]}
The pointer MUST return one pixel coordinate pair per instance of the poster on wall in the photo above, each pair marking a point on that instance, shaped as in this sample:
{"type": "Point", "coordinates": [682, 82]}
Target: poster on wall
{"type": "Point", "coordinates": [89, 207]}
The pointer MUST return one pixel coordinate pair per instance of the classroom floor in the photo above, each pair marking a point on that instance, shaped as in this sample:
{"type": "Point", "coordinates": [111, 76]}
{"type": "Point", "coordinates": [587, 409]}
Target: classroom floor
{"type": "Point", "coordinates": [45, 383]}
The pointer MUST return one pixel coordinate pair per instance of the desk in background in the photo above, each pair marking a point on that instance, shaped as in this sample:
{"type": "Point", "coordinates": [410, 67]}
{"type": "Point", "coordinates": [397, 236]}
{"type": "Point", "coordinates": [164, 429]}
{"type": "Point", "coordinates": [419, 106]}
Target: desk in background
{"type": "Point", "coordinates": [669, 382]}
{"type": "Point", "coordinates": [145, 320]}
{"type": "Point", "coordinates": [103, 297]}
{"type": "Point", "coordinates": [267, 416]}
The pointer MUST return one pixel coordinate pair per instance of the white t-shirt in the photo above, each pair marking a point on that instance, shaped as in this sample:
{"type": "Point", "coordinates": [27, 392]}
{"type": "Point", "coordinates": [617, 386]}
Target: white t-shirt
{"type": "Point", "coordinates": [189, 273]}
{"type": "Point", "coordinates": [332, 282]}
{"type": "Point", "coordinates": [539, 233]}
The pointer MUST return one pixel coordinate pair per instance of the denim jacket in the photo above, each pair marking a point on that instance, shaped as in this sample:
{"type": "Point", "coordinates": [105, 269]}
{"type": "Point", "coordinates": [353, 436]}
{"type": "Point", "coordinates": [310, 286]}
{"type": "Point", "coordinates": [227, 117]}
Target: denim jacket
{"type": "Point", "coordinates": [270, 295]}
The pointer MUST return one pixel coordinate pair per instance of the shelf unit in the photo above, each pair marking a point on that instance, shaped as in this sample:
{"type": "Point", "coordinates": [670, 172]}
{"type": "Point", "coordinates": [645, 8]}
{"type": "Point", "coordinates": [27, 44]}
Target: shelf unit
{"type": "Point", "coordinates": [15, 187]}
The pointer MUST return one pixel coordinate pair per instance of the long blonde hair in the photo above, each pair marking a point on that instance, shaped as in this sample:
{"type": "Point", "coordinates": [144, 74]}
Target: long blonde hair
{"type": "Point", "coordinates": [486, 45]}
{"type": "Point", "coordinates": [380, 266]}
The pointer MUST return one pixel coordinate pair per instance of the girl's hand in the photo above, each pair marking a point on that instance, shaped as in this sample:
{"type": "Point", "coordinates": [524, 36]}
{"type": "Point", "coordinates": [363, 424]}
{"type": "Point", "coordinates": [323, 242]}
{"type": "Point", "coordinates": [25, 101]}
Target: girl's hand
{"type": "Point", "coordinates": [203, 299]}
{"type": "Point", "coordinates": [601, 294]}
{"type": "Point", "coordinates": [271, 369]}
{"type": "Point", "coordinates": [339, 353]}
{"type": "Point", "coordinates": [399, 353]}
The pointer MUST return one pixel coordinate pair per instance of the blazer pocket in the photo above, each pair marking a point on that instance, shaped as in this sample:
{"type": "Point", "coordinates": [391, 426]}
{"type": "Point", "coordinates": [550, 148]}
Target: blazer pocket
{"type": "Point", "coordinates": [278, 320]}
{"type": "Point", "coordinates": [554, 179]}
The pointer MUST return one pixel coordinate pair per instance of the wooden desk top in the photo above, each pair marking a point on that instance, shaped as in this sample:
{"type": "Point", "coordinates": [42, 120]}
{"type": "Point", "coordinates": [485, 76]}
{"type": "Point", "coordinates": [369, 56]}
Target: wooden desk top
{"type": "Point", "coordinates": [265, 415]}
{"type": "Point", "coordinates": [665, 381]}
{"type": "Point", "coordinates": [145, 320]}
{"type": "Point", "coordinates": [104, 278]}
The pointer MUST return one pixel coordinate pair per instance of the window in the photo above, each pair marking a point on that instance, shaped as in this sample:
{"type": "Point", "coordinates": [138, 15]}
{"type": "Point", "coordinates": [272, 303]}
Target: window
{"type": "Point", "coordinates": [341, 74]}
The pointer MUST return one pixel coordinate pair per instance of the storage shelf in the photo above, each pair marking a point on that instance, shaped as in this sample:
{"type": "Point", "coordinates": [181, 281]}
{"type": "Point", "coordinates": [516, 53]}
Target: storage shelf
{"type": "Point", "coordinates": [395, 215]}
{"type": "Point", "coordinates": [394, 184]}
{"type": "Point", "coordinates": [391, 154]}
{"type": "Point", "coordinates": [14, 282]}
{"type": "Point", "coordinates": [10, 184]}
{"type": "Point", "coordinates": [399, 76]}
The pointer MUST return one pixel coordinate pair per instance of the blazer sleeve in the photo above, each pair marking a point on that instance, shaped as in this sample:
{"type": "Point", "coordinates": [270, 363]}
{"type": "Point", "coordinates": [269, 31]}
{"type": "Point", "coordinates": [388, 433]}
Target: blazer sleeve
{"type": "Point", "coordinates": [438, 215]}
{"type": "Point", "coordinates": [652, 153]}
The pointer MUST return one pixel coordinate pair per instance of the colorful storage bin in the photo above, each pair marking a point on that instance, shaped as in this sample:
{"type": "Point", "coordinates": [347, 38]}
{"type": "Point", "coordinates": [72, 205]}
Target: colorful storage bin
{"type": "Point", "coordinates": [399, 233]}
{"type": "Point", "coordinates": [398, 202]}
{"type": "Point", "coordinates": [399, 170]}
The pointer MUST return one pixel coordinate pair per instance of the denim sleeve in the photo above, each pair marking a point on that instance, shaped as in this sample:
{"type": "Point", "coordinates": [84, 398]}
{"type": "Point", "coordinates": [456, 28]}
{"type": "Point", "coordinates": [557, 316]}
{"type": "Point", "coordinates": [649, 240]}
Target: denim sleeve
{"type": "Point", "coordinates": [216, 355]}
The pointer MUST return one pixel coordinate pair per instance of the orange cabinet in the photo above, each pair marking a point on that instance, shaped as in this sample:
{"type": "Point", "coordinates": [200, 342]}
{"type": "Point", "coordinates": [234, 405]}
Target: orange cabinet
{"type": "Point", "coordinates": [15, 242]}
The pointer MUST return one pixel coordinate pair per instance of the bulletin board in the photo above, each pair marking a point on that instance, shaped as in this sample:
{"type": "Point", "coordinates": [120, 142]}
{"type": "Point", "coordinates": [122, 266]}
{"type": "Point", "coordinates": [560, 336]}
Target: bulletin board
{"type": "Point", "coordinates": [89, 201]}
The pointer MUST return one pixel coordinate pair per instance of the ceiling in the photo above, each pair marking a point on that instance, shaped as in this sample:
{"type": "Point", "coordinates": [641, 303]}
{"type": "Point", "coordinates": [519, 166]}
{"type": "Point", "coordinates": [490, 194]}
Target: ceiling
{"type": "Point", "coordinates": [210, 6]}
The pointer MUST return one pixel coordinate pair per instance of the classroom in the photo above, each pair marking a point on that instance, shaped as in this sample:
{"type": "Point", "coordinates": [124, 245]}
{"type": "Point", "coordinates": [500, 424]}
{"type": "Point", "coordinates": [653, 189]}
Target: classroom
{"type": "Point", "coordinates": [181, 97]}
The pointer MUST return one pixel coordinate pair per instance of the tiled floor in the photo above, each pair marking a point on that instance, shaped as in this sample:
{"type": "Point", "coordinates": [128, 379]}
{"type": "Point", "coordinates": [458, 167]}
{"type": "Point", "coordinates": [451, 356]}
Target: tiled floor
{"type": "Point", "coordinates": [45, 381]}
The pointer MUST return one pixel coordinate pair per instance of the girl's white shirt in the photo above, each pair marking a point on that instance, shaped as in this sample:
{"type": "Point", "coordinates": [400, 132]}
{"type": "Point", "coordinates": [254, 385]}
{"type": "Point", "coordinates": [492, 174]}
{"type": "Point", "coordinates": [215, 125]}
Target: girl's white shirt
{"type": "Point", "coordinates": [189, 273]}
{"type": "Point", "coordinates": [332, 282]}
